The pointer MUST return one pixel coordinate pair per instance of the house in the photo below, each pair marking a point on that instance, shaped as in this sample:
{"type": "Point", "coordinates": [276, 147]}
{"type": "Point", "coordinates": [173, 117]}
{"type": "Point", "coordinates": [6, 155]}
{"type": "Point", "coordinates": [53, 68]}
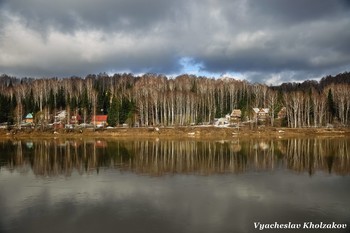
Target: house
{"type": "Point", "coordinates": [282, 113]}
{"type": "Point", "coordinates": [260, 114]}
{"type": "Point", "coordinates": [75, 119]}
{"type": "Point", "coordinates": [99, 120]}
{"type": "Point", "coordinates": [61, 116]}
{"type": "Point", "coordinates": [236, 115]}
{"type": "Point", "coordinates": [29, 118]}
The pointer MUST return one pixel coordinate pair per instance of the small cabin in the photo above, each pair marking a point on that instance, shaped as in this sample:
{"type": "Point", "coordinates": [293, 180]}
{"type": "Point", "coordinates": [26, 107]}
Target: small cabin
{"type": "Point", "coordinates": [99, 120]}
{"type": "Point", "coordinates": [260, 114]}
{"type": "Point", "coordinates": [236, 115]}
{"type": "Point", "coordinates": [75, 119]}
{"type": "Point", "coordinates": [29, 118]}
{"type": "Point", "coordinates": [282, 113]}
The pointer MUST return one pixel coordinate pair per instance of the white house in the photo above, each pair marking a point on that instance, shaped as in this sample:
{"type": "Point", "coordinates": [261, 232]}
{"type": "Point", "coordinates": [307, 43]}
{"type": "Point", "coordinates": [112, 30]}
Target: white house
{"type": "Point", "coordinates": [61, 116]}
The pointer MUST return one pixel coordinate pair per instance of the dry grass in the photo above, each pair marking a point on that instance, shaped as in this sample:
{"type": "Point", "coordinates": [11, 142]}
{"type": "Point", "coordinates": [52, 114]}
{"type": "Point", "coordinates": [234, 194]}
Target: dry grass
{"type": "Point", "coordinates": [209, 132]}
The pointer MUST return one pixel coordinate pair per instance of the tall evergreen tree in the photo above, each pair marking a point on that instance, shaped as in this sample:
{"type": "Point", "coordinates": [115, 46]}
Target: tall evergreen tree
{"type": "Point", "coordinates": [330, 105]}
{"type": "Point", "coordinates": [126, 110]}
{"type": "Point", "coordinates": [113, 113]}
{"type": "Point", "coordinates": [60, 99]}
{"type": "Point", "coordinates": [29, 103]}
{"type": "Point", "coordinates": [73, 103]}
{"type": "Point", "coordinates": [51, 100]}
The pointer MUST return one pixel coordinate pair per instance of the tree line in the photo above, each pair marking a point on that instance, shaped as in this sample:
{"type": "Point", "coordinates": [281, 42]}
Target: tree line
{"type": "Point", "coordinates": [157, 100]}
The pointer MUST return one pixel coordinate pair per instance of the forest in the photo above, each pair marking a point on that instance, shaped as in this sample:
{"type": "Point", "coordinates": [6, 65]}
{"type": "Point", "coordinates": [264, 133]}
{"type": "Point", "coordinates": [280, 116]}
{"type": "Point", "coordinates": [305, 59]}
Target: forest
{"type": "Point", "coordinates": [157, 100]}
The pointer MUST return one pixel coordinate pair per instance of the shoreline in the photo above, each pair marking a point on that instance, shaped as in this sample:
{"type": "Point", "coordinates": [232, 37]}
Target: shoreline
{"type": "Point", "coordinates": [186, 132]}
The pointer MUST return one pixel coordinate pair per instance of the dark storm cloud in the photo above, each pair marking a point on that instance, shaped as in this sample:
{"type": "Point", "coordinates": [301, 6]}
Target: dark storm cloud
{"type": "Point", "coordinates": [265, 38]}
{"type": "Point", "coordinates": [282, 37]}
{"type": "Point", "coordinates": [68, 15]}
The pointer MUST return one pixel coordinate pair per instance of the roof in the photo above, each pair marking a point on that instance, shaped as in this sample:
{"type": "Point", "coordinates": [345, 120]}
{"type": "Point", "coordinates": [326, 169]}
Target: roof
{"type": "Point", "coordinates": [61, 114]}
{"type": "Point", "coordinates": [29, 116]}
{"type": "Point", "coordinates": [256, 110]}
{"type": "Point", "coordinates": [236, 112]}
{"type": "Point", "coordinates": [99, 118]}
{"type": "Point", "coordinates": [265, 110]}
{"type": "Point", "coordinates": [261, 110]}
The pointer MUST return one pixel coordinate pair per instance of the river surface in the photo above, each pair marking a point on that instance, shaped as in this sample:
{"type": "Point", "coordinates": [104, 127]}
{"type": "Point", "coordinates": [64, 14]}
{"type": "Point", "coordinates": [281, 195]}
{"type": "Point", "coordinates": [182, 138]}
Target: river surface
{"type": "Point", "coordinates": [96, 185]}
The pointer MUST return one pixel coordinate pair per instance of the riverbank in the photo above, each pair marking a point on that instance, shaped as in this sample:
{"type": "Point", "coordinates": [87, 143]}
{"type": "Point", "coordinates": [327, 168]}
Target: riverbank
{"type": "Point", "coordinates": [200, 132]}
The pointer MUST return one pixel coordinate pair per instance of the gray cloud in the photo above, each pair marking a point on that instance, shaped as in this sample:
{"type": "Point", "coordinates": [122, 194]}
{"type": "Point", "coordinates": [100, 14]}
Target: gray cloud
{"type": "Point", "coordinates": [299, 11]}
{"type": "Point", "coordinates": [69, 16]}
{"type": "Point", "coordinates": [264, 38]}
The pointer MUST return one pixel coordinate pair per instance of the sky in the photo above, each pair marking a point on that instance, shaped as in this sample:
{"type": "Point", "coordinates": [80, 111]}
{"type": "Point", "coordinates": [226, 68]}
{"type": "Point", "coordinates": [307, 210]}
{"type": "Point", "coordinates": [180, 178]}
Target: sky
{"type": "Point", "coordinates": [265, 41]}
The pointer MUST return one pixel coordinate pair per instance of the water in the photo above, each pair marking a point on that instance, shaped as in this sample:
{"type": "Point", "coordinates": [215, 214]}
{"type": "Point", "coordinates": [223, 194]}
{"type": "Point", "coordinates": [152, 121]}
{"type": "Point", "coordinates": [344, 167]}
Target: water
{"type": "Point", "coordinates": [173, 186]}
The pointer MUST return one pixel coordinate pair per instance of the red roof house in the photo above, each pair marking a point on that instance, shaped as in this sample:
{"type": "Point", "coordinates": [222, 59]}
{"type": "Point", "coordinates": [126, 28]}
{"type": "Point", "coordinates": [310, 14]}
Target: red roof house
{"type": "Point", "coordinates": [99, 120]}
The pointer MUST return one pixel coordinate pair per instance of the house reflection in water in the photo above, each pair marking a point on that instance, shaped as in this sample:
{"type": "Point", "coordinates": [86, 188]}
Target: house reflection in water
{"type": "Point", "coordinates": [158, 157]}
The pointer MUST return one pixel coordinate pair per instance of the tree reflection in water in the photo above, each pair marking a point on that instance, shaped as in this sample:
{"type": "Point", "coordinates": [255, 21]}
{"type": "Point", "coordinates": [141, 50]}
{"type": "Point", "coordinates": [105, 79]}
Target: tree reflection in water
{"type": "Point", "coordinates": [158, 157]}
